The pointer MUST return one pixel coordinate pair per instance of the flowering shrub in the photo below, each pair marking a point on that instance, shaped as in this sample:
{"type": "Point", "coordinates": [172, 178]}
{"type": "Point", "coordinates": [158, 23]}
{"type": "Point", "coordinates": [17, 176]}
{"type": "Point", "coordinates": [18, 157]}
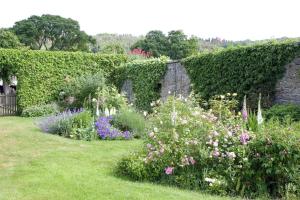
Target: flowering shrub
{"type": "Point", "coordinates": [213, 151]}
{"type": "Point", "coordinates": [106, 131]}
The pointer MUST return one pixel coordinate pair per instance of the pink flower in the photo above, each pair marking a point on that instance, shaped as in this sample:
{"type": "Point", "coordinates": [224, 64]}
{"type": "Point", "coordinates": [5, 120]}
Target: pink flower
{"type": "Point", "coordinates": [244, 138]}
{"type": "Point", "coordinates": [216, 153]}
{"type": "Point", "coordinates": [169, 170]}
{"type": "Point", "coordinates": [244, 111]}
{"type": "Point", "coordinates": [192, 161]}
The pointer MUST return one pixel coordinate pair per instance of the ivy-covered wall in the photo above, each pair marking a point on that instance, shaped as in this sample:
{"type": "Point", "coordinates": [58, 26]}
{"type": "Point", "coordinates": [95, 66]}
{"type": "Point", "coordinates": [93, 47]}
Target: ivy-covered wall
{"type": "Point", "coordinates": [41, 74]}
{"type": "Point", "coordinates": [145, 76]}
{"type": "Point", "coordinates": [243, 70]}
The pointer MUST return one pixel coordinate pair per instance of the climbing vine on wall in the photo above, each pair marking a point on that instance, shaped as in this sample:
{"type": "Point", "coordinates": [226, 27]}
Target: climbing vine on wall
{"type": "Point", "coordinates": [244, 70]}
{"type": "Point", "coordinates": [41, 74]}
{"type": "Point", "coordinates": [145, 76]}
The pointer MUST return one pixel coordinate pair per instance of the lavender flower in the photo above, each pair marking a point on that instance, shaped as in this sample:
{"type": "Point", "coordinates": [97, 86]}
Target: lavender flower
{"type": "Point", "coordinates": [106, 131]}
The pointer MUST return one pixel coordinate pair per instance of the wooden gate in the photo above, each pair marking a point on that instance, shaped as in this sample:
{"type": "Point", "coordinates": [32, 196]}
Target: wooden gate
{"type": "Point", "coordinates": [8, 104]}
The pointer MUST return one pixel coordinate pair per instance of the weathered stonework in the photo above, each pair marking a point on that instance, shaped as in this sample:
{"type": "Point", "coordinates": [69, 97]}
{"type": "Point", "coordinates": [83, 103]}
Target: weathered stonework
{"type": "Point", "coordinates": [127, 90]}
{"type": "Point", "coordinates": [288, 88]}
{"type": "Point", "coordinates": [176, 81]}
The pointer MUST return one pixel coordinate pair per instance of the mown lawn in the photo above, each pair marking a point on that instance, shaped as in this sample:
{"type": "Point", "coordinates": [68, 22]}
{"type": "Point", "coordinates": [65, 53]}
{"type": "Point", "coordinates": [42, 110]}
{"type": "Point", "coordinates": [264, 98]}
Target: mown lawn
{"type": "Point", "coordinates": [34, 165]}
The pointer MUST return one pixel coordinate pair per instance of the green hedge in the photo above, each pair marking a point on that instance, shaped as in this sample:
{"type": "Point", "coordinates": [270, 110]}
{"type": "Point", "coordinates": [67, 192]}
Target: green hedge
{"type": "Point", "coordinates": [41, 74]}
{"type": "Point", "coordinates": [145, 76]}
{"type": "Point", "coordinates": [244, 70]}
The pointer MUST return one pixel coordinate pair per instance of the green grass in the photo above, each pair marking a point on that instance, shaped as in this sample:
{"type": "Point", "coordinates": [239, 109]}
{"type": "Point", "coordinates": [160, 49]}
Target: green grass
{"type": "Point", "coordinates": [34, 165]}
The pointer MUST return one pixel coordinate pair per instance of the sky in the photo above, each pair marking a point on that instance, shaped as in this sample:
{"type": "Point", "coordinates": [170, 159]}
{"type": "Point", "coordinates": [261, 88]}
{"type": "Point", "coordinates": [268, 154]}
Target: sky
{"type": "Point", "coordinates": [226, 19]}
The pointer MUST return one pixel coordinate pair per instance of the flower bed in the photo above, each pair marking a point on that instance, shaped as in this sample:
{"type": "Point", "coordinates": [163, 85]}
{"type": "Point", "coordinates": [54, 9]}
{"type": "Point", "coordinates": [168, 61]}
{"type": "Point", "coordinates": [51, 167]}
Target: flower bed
{"type": "Point", "coordinates": [214, 151]}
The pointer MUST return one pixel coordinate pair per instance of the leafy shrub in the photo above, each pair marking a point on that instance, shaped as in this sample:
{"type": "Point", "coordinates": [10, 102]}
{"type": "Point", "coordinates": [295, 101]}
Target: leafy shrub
{"type": "Point", "coordinates": [40, 110]}
{"type": "Point", "coordinates": [245, 70]}
{"type": "Point", "coordinates": [274, 156]}
{"type": "Point", "coordinates": [76, 124]}
{"type": "Point", "coordinates": [282, 111]}
{"type": "Point", "coordinates": [76, 91]}
{"type": "Point", "coordinates": [129, 119]}
{"type": "Point", "coordinates": [196, 149]}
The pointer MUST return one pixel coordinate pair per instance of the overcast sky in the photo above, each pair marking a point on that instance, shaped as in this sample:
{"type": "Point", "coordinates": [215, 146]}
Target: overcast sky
{"type": "Point", "coordinates": [229, 19]}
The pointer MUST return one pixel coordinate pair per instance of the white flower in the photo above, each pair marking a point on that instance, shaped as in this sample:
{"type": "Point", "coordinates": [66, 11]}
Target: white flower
{"type": "Point", "coordinates": [155, 129]}
{"type": "Point", "coordinates": [222, 96]}
{"type": "Point", "coordinates": [94, 100]}
{"type": "Point", "coordinates": [229, 133]}
{"type": "Point", "coordinates": [106, 112]}
{"type": "Point", "coordinates": [112, 111]}
{"type": "Point", "coordinates": [151, 134]}
{"type": "Point", "coordinates": [169, 92]}
{"type": "Point", "coordinates": [145, 113]}
{"type": "Point", "coordinates": [152, 104]}
{"type": "Point", "coordinates": [210, 180]}
{"type": "Point", "coordinates": [234, 94]}
{"type": "Point", "coordinates": [259, 115]}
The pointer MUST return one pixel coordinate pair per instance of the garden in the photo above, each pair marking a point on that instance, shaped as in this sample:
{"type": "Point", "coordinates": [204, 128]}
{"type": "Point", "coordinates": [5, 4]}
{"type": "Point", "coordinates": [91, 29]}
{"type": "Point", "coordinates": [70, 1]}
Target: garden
{"type": "Point", "coordinates": [78, 137]}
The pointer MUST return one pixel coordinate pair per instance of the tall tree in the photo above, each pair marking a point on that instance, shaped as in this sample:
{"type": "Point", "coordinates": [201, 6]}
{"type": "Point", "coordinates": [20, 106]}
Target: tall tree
{"type": "Point", "coordinates": [176, 45]}
{"type": "Point", "coordinates": [180, 45]}
{"type": "Point", "coordinates": [155, 42]}
{"type": "Point", "coordinates": [113, 48]}
{"type": "Point", "coordinates": [52, 32]}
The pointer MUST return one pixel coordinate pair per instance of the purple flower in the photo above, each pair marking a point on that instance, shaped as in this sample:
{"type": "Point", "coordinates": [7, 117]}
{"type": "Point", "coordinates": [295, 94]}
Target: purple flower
{"type": "Point", "coordinates": [244, 138]}
{"type": "Point", "coordinates": [106, 131]}
{"type": "Point", "coordinates": [169, 170]}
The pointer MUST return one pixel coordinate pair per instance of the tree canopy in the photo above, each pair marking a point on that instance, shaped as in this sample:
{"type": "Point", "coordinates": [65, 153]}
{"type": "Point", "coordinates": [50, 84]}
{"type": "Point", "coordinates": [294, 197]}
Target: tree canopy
{"type": "Point", "coordinates": [9, 40]}
{"type": "Point", "coordinates": [176, 45]}
{"type": "Point", "coordinates": [51, 32]}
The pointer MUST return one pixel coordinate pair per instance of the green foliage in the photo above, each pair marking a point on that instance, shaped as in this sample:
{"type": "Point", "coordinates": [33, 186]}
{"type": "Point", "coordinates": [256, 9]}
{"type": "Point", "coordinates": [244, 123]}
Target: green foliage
{"type": "Point", "coordinates": [77, 91]}
{"type": "Point", "coordinates": [42, 74]}
{"type": "Point", "coordinates": [127, 119]}
{"type": "Point", "coordinates": [155, 42]}
{"type": "Point", "coordinates": [145, 75]}
{"type": "Point", "coordinates": [40, 110]}
{"type": "Point", "coordinates": [52, 32]}
{"type": "Point", "coordinates": [9, 40]}
{"type": "Point", "coordinates": [244, 70]}
{"type": "Point", "coordinates": [176, 45]}
{"type": "Point", "coordinates": [282, 111]}
{"type": "Point", "coordinates": [180, 46]}
{"type": "Point", "coordinates": [113, 48]}
{"type": "Point", "coordinates": [125, 40]}
{"type": "Point", "coordinates": [83, 127]}
{"type": "Point", "coordinates": [275, 155]}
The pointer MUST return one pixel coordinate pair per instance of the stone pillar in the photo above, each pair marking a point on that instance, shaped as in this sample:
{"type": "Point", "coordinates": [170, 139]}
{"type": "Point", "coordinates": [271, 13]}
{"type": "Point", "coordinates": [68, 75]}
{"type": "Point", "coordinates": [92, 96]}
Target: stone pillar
{"type": "Point", "coordinates": [288, 88]}
{"type": "Point", "coordinates": [176, 81]}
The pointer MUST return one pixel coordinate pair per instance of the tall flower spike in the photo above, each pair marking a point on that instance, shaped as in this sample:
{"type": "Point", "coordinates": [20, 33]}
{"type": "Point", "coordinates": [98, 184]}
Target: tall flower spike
{"type": "Point", "coordinates": [244, 111]}
{"type": "Point", "coordinates": [174, 113]}
{"type": "Point", "coordinates": [259, 112]}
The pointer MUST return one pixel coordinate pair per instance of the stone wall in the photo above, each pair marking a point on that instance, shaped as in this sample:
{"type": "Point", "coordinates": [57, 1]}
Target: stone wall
{"type": "Point", "coordinates": [176, 81]}
{"type": "Point", "coordinates": [288, 88]}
